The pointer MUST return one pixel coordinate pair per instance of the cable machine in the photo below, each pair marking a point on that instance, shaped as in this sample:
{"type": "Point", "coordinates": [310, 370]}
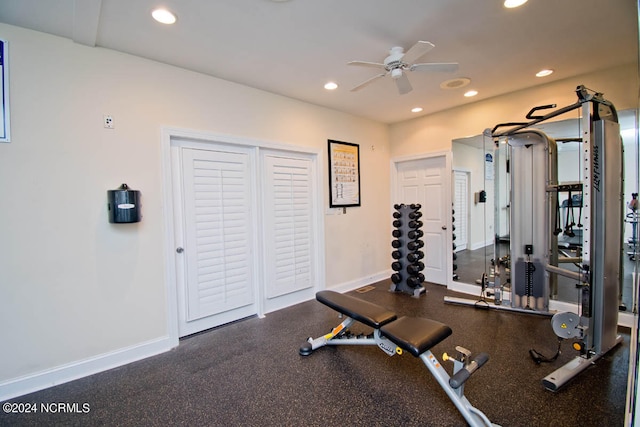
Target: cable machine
{"type": "Point", "coordinates": [529, 272]}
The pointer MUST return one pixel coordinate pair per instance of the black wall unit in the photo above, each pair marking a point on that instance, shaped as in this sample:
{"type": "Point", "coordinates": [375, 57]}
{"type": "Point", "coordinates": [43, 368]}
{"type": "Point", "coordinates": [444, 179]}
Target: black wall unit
{"type": "Point", "coordinates": [123, 205]}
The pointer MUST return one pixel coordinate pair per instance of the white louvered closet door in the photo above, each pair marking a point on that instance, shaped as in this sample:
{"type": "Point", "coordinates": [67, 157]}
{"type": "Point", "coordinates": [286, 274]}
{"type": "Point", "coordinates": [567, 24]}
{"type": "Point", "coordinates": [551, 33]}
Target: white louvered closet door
{"type": "Point", "coordinates": [288, 224]}
{"type": "Point", "coordinates": [218, 237]}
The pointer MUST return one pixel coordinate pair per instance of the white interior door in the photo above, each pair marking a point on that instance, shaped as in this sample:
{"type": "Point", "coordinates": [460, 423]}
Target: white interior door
{"type": "Point", "coordinates": [424, 181]}
{"type": "Point", "coordinates": [216, 281]}
{"type": "Point", "coordinates": [461, 206]}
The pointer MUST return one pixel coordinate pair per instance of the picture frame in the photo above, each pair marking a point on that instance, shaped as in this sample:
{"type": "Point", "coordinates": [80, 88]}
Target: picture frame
{"type": "Point", "coordinates": [5, 134]}
{"type": "Point", "coordinates": [344, 174]}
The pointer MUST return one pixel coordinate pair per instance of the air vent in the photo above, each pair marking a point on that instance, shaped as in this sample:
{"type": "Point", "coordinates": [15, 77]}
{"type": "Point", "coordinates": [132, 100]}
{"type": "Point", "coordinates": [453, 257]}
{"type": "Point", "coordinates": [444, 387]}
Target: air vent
{"type": "Point", "coordinates": [455, 83]}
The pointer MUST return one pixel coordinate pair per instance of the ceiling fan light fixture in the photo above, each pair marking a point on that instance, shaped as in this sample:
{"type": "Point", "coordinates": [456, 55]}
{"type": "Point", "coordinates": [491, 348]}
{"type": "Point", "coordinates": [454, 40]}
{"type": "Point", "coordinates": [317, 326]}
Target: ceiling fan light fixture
{"type": "Point", "coordinates": [164, 16]}
{"type": "Point", "coordinates": [398, 62]}
{"type": "Point", "coordinates": [331, 86]}
{"type": "Point", "coordinates": [510, 4]}
{"type": "Point", "coordinates": [544, 73]}
{"type": "Point", "coordinates": [471, 93]}
{"type": "Point", "coordinates": [396, 73]}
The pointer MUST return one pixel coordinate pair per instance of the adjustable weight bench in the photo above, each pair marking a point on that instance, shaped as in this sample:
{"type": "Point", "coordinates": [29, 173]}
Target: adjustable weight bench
{"type": "Point", "coordinates": [395, 335]}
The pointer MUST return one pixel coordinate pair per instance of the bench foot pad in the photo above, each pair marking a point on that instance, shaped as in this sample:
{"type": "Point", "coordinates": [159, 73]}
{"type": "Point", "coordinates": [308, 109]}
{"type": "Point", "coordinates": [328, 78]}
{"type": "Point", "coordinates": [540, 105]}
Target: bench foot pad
{"type": "Point", "coordinates": [305, 349]}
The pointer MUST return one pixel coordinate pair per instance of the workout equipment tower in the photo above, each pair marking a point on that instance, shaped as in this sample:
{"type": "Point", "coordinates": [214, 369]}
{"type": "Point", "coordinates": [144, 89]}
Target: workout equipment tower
{"type": "Point", "coordinates": [534, 263]}
{"type": "Point", "coordinates": [599, 264]}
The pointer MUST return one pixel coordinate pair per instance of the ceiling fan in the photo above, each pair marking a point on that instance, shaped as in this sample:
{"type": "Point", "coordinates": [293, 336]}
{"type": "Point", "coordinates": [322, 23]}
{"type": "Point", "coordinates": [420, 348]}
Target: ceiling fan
{"type": "Point", "coordinates": [398, 62]}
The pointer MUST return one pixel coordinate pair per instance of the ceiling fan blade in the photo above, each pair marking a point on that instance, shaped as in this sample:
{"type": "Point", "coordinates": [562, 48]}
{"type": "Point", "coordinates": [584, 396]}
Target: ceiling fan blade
{"type": "Point", "coordinates": [368, 82]}
{"type": "Point", "coordinates": [435, 66]}
{"type": "Point", "coordinates": [366, 64]}
{"type": "Point", "coordinates": [403, 84]}
{"type": "Point", "coordinates": [417, 51]}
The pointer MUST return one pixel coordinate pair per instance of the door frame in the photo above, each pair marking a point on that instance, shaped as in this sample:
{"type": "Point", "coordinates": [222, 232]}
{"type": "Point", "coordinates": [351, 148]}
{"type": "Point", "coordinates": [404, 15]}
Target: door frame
{"type": "Point", "coordinates": [446, 195]}
{"type": "Point", "coordinates": [169, 199]}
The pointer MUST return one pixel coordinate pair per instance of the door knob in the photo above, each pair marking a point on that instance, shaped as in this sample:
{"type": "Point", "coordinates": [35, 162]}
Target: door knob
{"type": "Point", "coordinates": [179, 250]}
{"type": "Point", "coordinates": [444, 227]}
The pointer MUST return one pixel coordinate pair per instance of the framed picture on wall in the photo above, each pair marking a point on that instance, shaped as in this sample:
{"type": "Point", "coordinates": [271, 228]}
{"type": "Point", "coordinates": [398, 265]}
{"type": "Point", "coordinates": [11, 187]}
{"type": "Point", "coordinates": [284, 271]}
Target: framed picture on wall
{"type": "Point", "coordinates": [344, 174]}
{"type": "Point", "coordinates": [4, 92]}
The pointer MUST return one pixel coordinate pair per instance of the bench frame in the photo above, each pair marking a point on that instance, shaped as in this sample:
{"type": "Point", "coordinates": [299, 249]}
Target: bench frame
{"type": "Point", "coordinates": [340, 335]}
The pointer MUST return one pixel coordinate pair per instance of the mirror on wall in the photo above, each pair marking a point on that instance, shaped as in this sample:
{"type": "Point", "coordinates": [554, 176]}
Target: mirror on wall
{"type": "Point", "coordinates": [481, 204]}
{"type": "Point", "coordinates": [473, 208]}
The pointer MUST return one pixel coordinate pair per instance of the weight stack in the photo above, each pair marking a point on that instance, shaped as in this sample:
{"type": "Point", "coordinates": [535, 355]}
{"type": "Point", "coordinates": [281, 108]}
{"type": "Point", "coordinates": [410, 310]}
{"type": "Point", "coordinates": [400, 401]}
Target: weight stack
{"type": "Point", "coordinates": [408, 250]}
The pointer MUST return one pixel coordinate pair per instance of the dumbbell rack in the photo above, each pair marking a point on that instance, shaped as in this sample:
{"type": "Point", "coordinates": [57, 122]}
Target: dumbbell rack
{"type": "Point", "coordinates": [455, 257]}
{"type": "Point", "coordinates": [407, 250]}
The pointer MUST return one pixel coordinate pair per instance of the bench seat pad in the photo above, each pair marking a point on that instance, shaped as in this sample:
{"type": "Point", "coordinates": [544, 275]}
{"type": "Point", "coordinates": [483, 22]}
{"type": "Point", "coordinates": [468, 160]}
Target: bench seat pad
{"type": "Point", "coordinates": [414, 334]}
{"type": "Point", "coordinates": [365, 312]}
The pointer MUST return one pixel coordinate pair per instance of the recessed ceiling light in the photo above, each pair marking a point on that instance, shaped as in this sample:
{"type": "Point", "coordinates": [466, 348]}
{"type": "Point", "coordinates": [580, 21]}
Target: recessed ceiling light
{"type": "Point", "coordinates": [544, 73]}
{"type": "Point", "coordinates": [163, 16]}
{"type": "Point", "coordinates": [416, 110]}
{"type": "Point", "coordinates": [331, 86]}
{"type": "Point", "coordinates": [471, 93]}
{"type": "Point", "coordinates": [513, 3]}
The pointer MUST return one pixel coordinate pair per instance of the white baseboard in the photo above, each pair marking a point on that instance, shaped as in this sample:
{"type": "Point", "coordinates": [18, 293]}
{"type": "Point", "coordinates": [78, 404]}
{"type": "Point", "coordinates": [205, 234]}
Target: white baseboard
{"type": "Point", "coordinates": [624, 319]}
{"type": "Point", "coordinates": [30, 383]}
{"type": "Point", "coordinates": [562, 306]}
{"type": "Point", "coordinates": [364, 281]}
{"type": "Point", "coordinates": [464, 288]}
{"type": "Point", "coordinates": [479, 245]}
{"type": "Point", "coordinates": [61, 374]}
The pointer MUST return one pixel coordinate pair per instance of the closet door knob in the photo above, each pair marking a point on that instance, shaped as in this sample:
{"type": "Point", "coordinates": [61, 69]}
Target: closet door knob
{"type": "Point", "coordinates": [179, 250]}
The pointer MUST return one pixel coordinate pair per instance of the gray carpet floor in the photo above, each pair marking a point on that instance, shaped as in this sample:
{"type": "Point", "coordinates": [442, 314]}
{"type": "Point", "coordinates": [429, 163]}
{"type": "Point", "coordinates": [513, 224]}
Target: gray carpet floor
{"type": "Point", "coordinates": [249, 373]}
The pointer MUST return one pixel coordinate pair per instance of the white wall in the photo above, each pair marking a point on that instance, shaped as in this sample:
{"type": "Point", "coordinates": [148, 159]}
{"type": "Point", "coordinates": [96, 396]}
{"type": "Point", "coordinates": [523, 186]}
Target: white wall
{"type": "Point", "coordinates": [436, 131]}
{"type": "Point", "coordinates": [73, 287]}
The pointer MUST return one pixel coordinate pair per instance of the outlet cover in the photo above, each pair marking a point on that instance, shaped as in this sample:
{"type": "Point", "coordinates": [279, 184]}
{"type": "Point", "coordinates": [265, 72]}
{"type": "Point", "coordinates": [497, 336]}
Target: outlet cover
{"type": "Point", "coordinates": [108, 121]}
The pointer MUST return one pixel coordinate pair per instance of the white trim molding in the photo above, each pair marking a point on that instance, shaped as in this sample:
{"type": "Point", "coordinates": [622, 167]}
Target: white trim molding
{"type": "Point", "coordinates": [82, 368]}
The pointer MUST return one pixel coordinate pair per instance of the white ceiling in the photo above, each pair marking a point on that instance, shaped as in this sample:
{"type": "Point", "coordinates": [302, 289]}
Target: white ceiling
{"type": "Point", "coordinates": [293, 48]}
